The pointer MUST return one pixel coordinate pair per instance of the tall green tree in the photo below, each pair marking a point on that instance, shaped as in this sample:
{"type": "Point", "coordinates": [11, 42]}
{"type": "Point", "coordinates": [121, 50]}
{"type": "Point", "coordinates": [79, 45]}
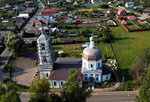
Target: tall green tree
{"type": "Point", "coordinates": [73, 91]}
{"type": "Point", "coordinates": [11, 96]}
{"type": "Point", "coordinates": [144, 93]}
{"type": "Point", "coordinates": [14, 43]}
{"type": "Point", "coordinates": [2, 90]}
{"type": "Point", "coordinates": [40, 90]}
{"type": "Point", "coordinates": [138, 69]}
{"type": "Point", "coordinates": [54, 98]}
{"type": "Point", "coordinates": [106, 34]}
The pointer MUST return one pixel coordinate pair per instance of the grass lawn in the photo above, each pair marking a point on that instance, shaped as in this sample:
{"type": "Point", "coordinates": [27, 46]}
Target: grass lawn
{"type": "Point", "coordinates": [128, 46]}
{"type": "Point", "coordinates": [75, 50]}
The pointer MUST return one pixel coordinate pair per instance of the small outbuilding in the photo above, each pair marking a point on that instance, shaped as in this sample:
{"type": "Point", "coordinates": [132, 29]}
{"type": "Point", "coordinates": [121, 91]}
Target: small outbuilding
{"type": "Point", "coordinates": [123, 22]}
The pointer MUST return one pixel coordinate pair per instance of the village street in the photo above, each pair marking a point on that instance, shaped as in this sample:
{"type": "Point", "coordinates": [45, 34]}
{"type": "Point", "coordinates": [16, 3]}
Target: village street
{"type": "Point", "coordinates": [4, 57]}
{"type": "Point", "coordinates": [116, 96]}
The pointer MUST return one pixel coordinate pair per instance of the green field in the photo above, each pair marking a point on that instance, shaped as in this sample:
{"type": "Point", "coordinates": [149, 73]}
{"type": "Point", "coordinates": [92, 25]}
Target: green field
{"type": "Point", "coordinates": [129, 45]}
{"type": "Point", "coordinates": [75, 50]}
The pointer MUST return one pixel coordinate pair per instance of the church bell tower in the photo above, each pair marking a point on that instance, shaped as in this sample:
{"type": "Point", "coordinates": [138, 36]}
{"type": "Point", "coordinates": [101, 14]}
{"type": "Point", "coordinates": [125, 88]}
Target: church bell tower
{"type": "Point", "coordinates": [45, 54]}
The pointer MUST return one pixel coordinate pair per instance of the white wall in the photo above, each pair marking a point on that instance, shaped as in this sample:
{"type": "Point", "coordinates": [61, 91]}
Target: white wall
{"type": "Point", "coordinates": [108, 77]}
{"type": "Point", "coordinates": [58, 83]}
{"type": "Point", "coordinates": [88, 64]}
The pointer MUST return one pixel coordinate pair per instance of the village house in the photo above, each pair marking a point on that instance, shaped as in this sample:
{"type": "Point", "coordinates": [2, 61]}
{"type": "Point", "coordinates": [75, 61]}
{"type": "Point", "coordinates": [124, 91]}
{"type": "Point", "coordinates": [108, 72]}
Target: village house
{"type": "Point", "coordinates": [138, 7]}
{"type": "Point", "coordinates": [123, 22]}
{"type": "Point", "coordinates": [75, 3]}
{"type": "Point", "coordinates": [50, 19]}
{"type": "Point", "coordinates": [122, 12]}
{"type": "Point", "coordinates": [112, 10]}
{"type": "Point", "coordinates": [19, 21]}
{"type": "Point", "coordinates": [40, 23]}
{"type": "Point", "coordinates": [25, 15]}
{"type": "Point", "coordinates": [131, 17]}
{"type": "Point", "coordinates": [11, 28]}
{"type": "Point", "coordinates": [4, 33]}
{"type": "Point", "coordinates": [129, 4]}
{"type": "Point", "coordinates": [48, 12]}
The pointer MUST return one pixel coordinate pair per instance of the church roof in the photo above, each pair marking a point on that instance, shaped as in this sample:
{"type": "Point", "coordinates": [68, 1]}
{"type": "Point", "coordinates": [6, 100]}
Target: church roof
{"type": "Point", "coordinates": [106, 70]}
{"type": "Point", "coordinates": [43, 37]}
{"type": "Point", "coordinates": [68, 60]}
{"type": "Point", "coordinates": [92, 51]}
{"type": "Point", "coordinates": [60, 71]}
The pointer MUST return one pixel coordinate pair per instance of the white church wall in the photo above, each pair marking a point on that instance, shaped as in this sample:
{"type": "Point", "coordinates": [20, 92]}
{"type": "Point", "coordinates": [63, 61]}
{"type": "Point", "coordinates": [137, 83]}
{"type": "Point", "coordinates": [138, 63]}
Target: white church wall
{"type": "Point", "coordinates": [106, 77]}
{"type": "Point", "coordinates": [56, 83]}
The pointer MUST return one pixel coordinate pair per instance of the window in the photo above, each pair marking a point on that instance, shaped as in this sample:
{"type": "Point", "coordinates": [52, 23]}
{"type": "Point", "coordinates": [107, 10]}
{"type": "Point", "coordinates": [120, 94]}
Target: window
{"type": "Point", "coordinates": [42, 44]}
{"type": "Point", "coordinates": [107, 77]}
{"type": "Point", "coordinates": [61, 83]}
{"type": "Point", "coordinates": [44, 59]}
{"type": "Point", "coordinates": [96, 74]}
{"type": "Point", "coordinates": [54, 83]}
{"type": "Point", "coordinates": [91, 65]}
{"type": "Point", "coordinates": [91, 74]}
{"type": "Point", "coordinates": [85, 74]}
{"type": "Point", "coordinates": [96, 78]}
{"type": "Point", "coordinates": [43, 48]}
{"type": "Point", "coordinates": [98, 64]}
{"type": "Point", "coordinates": [46, 74]}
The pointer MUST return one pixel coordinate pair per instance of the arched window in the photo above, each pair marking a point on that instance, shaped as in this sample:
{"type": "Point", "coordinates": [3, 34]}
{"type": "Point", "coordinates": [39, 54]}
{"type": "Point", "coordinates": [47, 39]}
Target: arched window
{"type": "Point", "coordinates": [96, 78]}
{"type": "Point", "coordinates": [46, 74]}
{"type": "Point", "coordinates": [43, 46]}
{"type": "Point", "coordinates": [91, 65]}
{"type": "Point", "coordinates": [98, 64]}
{"type": "Point", "coordinates": [106, 77]}
{"type": "Point", "coordinates": [54, 83]}
{"type": "Point", "coordinates": [61, 83]}
{"type": "Point", "coordinates": [44, 59]}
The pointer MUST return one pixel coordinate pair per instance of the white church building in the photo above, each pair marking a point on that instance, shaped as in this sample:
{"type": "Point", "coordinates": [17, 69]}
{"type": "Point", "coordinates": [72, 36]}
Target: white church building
{"type": "Point", "coordinates": [89, 66]}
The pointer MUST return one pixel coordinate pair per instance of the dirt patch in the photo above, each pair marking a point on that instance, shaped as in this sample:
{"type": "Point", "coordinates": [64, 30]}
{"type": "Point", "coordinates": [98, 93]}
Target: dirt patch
{"type": "Point", "coordinates": [25, 68]}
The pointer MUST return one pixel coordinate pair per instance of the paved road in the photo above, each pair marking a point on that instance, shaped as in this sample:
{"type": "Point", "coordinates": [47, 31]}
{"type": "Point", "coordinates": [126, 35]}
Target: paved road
{"type": "Point", "coordinates": [117, 96]}
{"type": "Point", "coordinates": [4, 57]}
{"type": "Point", "coordinates": [31, 21]}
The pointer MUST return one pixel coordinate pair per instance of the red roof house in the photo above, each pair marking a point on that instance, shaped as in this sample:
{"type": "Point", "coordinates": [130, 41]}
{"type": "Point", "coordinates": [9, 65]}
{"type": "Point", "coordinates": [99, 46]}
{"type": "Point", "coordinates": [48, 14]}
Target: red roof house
{"type": "Point", "coordinates": [41, 23]}
{"type": "Point", "coordinates": [131, 17]}
{"type": "Point", "coordinates": [122, 12]}
{"type": "Point", "coordinates": [141, 20]}
{"type": "Point", "coordinates": [123, 22]}
{"type": "Point", "coordinates": [48, 12]}
{"type": "Point", "coordinates": [29, 2]}
{"type": "Point", "coordinates": [78, 20]}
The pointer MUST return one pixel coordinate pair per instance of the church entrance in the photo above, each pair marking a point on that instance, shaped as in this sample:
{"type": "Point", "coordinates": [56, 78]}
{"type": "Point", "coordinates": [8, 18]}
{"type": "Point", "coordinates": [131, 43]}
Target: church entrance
{"type": "Point", "coordinates": [92, 83]}
{"type": "Point", "coordinates": [91, 79]}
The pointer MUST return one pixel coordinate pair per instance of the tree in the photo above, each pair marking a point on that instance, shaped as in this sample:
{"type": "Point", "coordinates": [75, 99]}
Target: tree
{"type": "Point", "coordinates": [144, 93]}
{"type": "Point", "coordinates": [11, 86]}
{"type": "Point", "coordinates": [40, 90]}
{"type": "Point", "coordinates": [14, 44]}
{"type": "Point", "coordinates": [11, 96]}
{"type": "Point", "coordinates": [106, 34]}
{"type": "Point", "coordinates": [2, 90]}
{"type": "Point", "coordinates": [54, 98]}
{"type": "Point", "coordinates": [73, 91]}
{"type": "Point", "coordinates": [138, 69]}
